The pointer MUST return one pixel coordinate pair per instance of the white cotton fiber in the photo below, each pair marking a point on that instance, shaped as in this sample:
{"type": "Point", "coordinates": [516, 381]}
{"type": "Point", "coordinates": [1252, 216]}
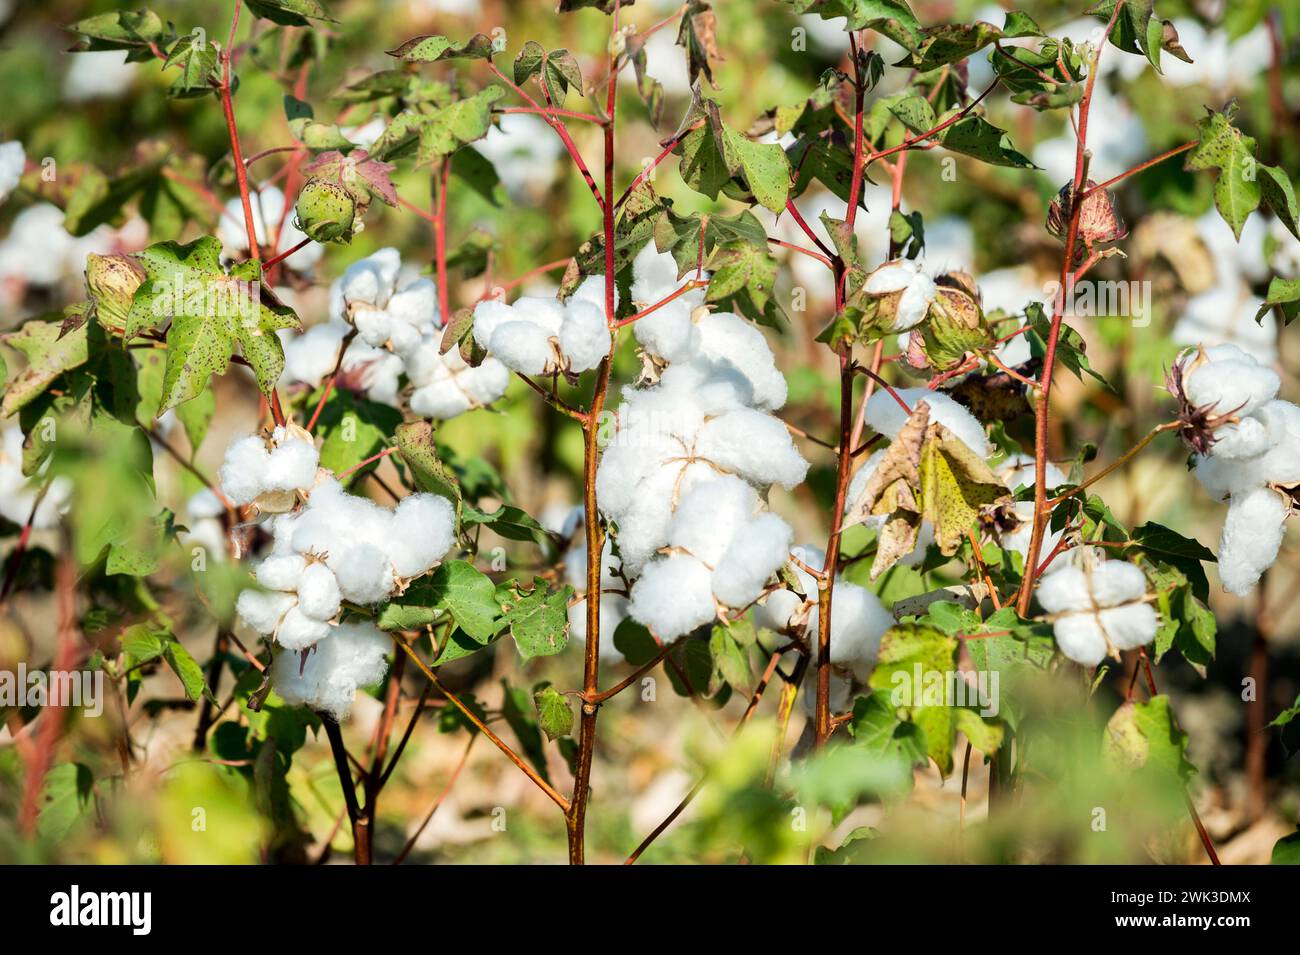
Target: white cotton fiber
{"type": "Point", "coordinates": [373, 325]}
{"type": "Point", "coordinates": [755, 553]}
{"type": "Point", "coordinates": [673, 597]}
{"type": "Point", "coordinates": [546, 313]}
{"type": "Point", "coordinates": [292, 463]}
{"type": "Point", "coordinates": [484, 384]}
{"type": "Point", "coordinates": [1246, 439]}
{"type": "Point", "coordinates": [668, 332]}
{"type": "Point", "coordinates": [1130, 626]}
{"type": "Point", "coordinates": [754, 445]}
{"type": "Point", "coordinates": [1116, 582]}
{"type": "Point", "coordinates": [441, 400]}
{"type": "Point", "coordinates": [423, 526]}
{"type": "Point", "coordinates": [489, 315]}
{"type": "Point", "coordinates": [654, 275]}
{"type": "Point", "coordinates": [592, 290]}
{"type": "Point", "coordinates": [1079, 637]}
{"type": "Point", "coordinates": [263, 611]}
{"type": "Point", "coordinates": [524, 347]}
{"type": "Point", "coordinates": [708, 517]}
{"type": "Point", "coordinates": [364, 573]}
{"type": "Point", "coordinates": [12, 160]}
{"type": "Point", "coordinates": [584, 336]}
{"type": "Point", "coordinates": [1019, 470]}
{"type": "Point", "coordinates": [243, 471]}
{"type": "Point", "coordinates": [1065, 591]}
{"type": "Point", "coordinates": [318, 592]}
{"type": "Point", "coordinates": [372, 279]}
{"type": "Point", "coordinates": [311, 356]}
{"type": "Point", "coordinates": [1229, 380]}
{"type": "Point", "coordinates": [281, 571]}
{"type": "Point", "coordinates": [918, 291]}
{"type": "Point", "coordinates": [416, 304]}
{"type": "Point", "coordinates": [355, 656]}
{"type": "Point", "coordinates": [575, 566]}
{"type": "Point", "coordinates": [1281, 464]}
{"type": "Point", "coordinates": [297, 631]}
{"type": "Point", "coordinates": [728, 338]}
{"type": "Point", "coordinates": [1252, 535]}
{"type": "Point", "coordinates": [858, 621]}
{"type": "Point", "coordinates": [841, 689]}
{"type": "Point", "coordinates": [886, 416]}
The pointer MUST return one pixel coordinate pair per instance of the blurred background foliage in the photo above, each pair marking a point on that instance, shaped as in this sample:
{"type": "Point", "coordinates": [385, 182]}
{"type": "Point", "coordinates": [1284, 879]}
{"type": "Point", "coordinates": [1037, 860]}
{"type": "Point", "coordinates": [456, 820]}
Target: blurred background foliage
{"type": "Point", "coordinates": [266, 790]}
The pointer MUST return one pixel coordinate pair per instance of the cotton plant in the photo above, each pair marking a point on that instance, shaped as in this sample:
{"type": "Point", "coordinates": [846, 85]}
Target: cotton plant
{"type": "Point", "coordinates": [1098, 607]}
{"type": "Point", "coordinates": [542, 336]}
{"type": "Point", "coordinates": [268, 205]}
{"type": "Point", "coordinates": [1247, 446]}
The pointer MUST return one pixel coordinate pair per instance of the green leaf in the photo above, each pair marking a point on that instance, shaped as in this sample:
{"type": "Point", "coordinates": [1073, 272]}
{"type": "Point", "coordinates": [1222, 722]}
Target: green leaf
{"type": "Point", "coordinates": [433, 48]}
{"type": "Point", "coordinates": [65, 800]}
{"type": "Point", "coordinates": [512, 523]}
{"type": "Point", "coordinates": [949, 43]}
{"type": "Point", "coordinates": [1283, 294]}
{"type": "Point", "coordinates": [445, 130]}
{"type": "Point", "coordinates": [1224, 147]}
{"type": "Point", "coordinates": [211, 311]}
{"type": "Point", "coordinates": [198, 67]}
{"type": "Point", "coordinates": [558, 69]}
{"type": "Point", "coordinates": [517, 712]}
{"type": "Point", "coordinates": [122, 30]}
{"type": "Point", "coordinates": [764, 166]}
{"type": "Point", "coordinates": [1279, 195]}
{"type": "Point", "coordinates": [741, 265]}
{"type": "Point", "coordinates": [539, 621]}
{"type": "Point", "coordinates": [977, 137]}
{"type": "Point", "coordinates": [290, 13]}
{"type": "Point", "coordinates": [470, 596]}
{"type": "Point", "coordinates": [635, 642]}
{"type": "Point", "coordinates": [48, 356]}
{"type": "Point", "coordinates": [893, 18]}
{"type": "Point", "coordinates": [730, 664]}
{"type": "Point", "coordinates": [189, 671]}
{"type": "Point", "coordinates": [352, 429]}
{"type": "Point", "coordinates": [903, 649]}
{"type": "Point", "coordinates": [1287, 722]}
{"type": "Point", "coordinates": [554, 711]}
{"type": "Point", "coordinates": [1286, 851]}
{"type": "Point", "coordinates": [1145, 734]}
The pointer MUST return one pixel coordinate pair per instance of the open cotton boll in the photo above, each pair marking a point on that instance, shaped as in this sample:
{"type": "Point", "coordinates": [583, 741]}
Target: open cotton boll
{"type": "Point", "coordinates": [858, 621]}
{"type": "Point", "coordinates": [281, 571]}
{"type": "Point", "coordinates": [654, 275]}
{"type": "Point", "coordinates": [906, 276]}
{"type": "Point", "coordinates": [777, 608]}
{"type": "Point", "coordinates": [1227, 380]}
{"type": "Point", "coordinates": [369, 281]}
{"type": "Point", "coordinates": [714, 387]}
{"type": "Point", "coordinates": [1080, 638]}
{"type": "Point", "coordinates": [489, 315]}
{"type": "Point", "coordinates": [1130, 626]}
{"type": "Point", "coordinates": [669, 332]}
{"type": "Point", "coordinates": [886, 416]}
{"type": "Point", "coordinates": [754, 445]}
{"type": "Point", "coordinates": [364, 573]}
{"type": "Point", "coordinates": [373, 325]}
{"type": "Point", "coordinates": [1065, 591]}
{"type": "Point", "coordinates": [12, 160]}
{"type": "Point", "coordinates": [318, 592]}
{"type": "Point", "coordinates": [1222, 477]}
{"type": "Point", "coordinates": [707, 518]}
{"type": "Point", "coordinates": [1246, 439]}
{"type": "Point", "coordinates": [291, 464]}
{"type": "Point", "coordinates": [1115, 582]}
{"type": "Point", "coordinates": [592, 290]}
{"type": "Point", "coordinates": [311, 356]}
{"type": "Point", "coordinates": [584, 335]}
{"type": "Point", "coordinates": [243, 471]}
{"type": "Point", "coordinates": [729, 339]}
{"type": "Point", "coordinates": [423, 527]}
{"type": "Point", "coordinates": [613, 611]}
{"type": "Point", "coordinates": [524, 347]}
{"type": "Point", "coordinates": [1252, 535]}
{"type": "Point", "coordinates": [673, 597]}
{"type": "Point", "coordinates": [328, 680]}
{"type": "Point", "coordinates": [297, 631]}
{"type": "Point", "coordinates": [263, 610]}
{"type": "Point", "coordinates": [1019, 470]}
{"type": "Point", "coordinates": [1281, 464]}
{"type": "Point", "coordinates": [756, 552]}
{"type": "Point", "coordinates": [415, 304]}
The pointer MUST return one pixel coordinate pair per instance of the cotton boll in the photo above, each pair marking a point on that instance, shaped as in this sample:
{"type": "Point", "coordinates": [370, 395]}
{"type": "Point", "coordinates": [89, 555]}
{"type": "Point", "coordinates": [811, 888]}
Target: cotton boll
{"type": "Point", "coordinates": [730, 339]}
{"type": "Point", "coordinates": [592, 290]}
{"type": "Point", "coordinates": [489, 315]}
{"type": "Point", "coordinates": [613, 611]}
{"type": "Point", "coordinates": [584, 336]}
{"type": "Point", "coordinates": [1281, 464]}
{"type": "Point", "coordinates": [1252, 535]}
{"type": "Point", "coordinates": [1018, 470]}
{"type": "Point", "coordinates": [12, 160]}
{"type": "Point", "coordinates": [756, 552]}
{"type": "Point", "coordinates": [328, 679]}
{"type": "Point", "coordinates": [1130, 626]}
{"type": "Point", "coordinates": [708, 517]}
{"type": "Point", "coordinates": [1222, 477]}
{"type": "Point", "coordinates": [364, 573]}
{"type": "Point", "coordinates": [1116, 582]}
{"type": "Point", "coordinates": [668, 332]}
{"type": "Point", "coordinates": [858, 621]}
{"type": "Point", "coordinates": [776, 610]}
{"type": "Point", "coordinates": [371, 281]}
{"type": "Point", "coordinates": [318, 593]}
{"type": "Point", "coordinates": [544, 312]}
{"type": "Point", "coordinates": [423, 527]}
{"type": "Point", "coordinates": [886, 416]}
{"type": "Point", "coordinates": [654, 275]}
{"type": "Point", "coordinates": [373, 325]}
{"type": "Point", "coordinates": [484, 384]}
{"type": "Point", "coordinates": [291, 465]}
{"type": "Point", "coordinates": [263, 611]}
{"type": "Point", "coordinates": [1230, 381]}
{"type": "Point", "coordinates": [281, 571]}
{"type": "Point", "coordinates": [673, 597]}
{"type": "Point", "coordinates": [441, 400]}
{"type": "Point", "coordinates": [1080, 638]}
{"type": "Point", "coordinates": [1065, 591]}
{"type": "Point", "coordinates": [524, 347]}
{"type": "Point", "coordinates": [297, 631]}
{"type": "Point", "coordinates": [754, 445]}
{"type": "Point", "coordinates": [714, 387]}
{"type": "Point", "coordinates": [1247, 438]}
{"type": "Point", "coordinates": [416, 304]}
{"type": "Point", "coordinates": [918, 291]}
{"type": "Point", "coordinates": [243, 472]}
{"type": "Point", "coordinates": [311, 356]}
